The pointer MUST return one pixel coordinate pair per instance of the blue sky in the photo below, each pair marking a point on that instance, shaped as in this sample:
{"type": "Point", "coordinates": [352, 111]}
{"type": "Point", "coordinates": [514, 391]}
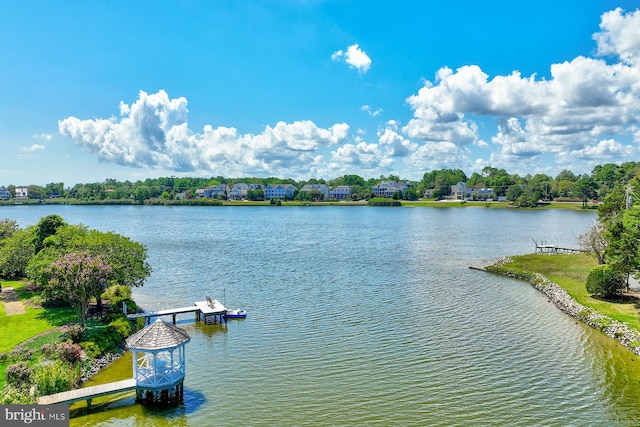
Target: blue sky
{"type": "Point", "coordinates": [314, 89]}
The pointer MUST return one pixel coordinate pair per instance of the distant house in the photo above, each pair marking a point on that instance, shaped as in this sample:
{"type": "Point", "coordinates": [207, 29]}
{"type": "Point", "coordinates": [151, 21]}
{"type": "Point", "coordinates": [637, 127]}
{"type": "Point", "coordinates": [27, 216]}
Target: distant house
{"type": "Point", "coordinates": [21, 193]}
{"type": "Point", "coordinates": [483, 193]}
{"type": "Point", "coordinates": [4, 194]}
{"type": "Point", "coordinates": [341, 192]}
{"type": "Point", "coordinates": [240, 190]}
{"type": "Point", "coordinates": [322, 188]}
{"type": "Point", "coordinates": [460, 191]}
{"type": "Point", "coordinates": [199, 193]}
{"type": "Point", "coordinates": [389, 188]}
{"type": "Point", "coordinates": [216, 191]}
{"type": "Point", "coordinates": [280, 191]}
{"type": "Point", "coordinates": [428, 193]}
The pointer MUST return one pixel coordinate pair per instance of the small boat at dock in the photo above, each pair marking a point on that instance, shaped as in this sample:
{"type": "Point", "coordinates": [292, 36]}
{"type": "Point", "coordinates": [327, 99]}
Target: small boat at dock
{"type": "Point", "coordinates": [236, 314]}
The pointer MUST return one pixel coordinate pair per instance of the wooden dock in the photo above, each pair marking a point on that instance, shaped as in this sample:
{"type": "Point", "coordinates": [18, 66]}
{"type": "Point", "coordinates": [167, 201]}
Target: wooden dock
{"type": "Point", "coordinates": [202, 309]}
{"type": "Point", "coordinates": [545, 248]}
{"type": "Point", "coordinates": [88, 393]}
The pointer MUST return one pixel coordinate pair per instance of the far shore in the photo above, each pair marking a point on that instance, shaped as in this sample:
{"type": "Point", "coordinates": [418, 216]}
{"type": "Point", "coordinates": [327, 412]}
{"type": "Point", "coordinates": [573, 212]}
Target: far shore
{"type": "Point", "coordinates": [571, 205]}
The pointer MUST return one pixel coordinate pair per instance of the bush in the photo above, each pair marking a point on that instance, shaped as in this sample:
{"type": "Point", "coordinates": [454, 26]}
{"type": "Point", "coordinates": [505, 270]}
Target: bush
{"type": "Point", "coordinates": [48, 350]}
{"type": "Point", "coordinates": [19, 375]}
{"type": "Point", "coordinates": [16, 396]}
{"type": "Point", "coordinates": [53, 378]}
{"type": "Point", "coordinates": [75, 333]}
{"type": "Point", "coordinates": [69, 352]}
{"type": "Point", "coordinates": [605, 281]}
{"type": "Point", "coordinates": [121, 326]}
{"type": "Point", "coordinates": [91, 349]}
{"type": "Point", "coordinates": [116, 294]}
{"type": "Point", "coordinates": [3, 357]}
{"type": "Point", "coordinates": [21, 354]}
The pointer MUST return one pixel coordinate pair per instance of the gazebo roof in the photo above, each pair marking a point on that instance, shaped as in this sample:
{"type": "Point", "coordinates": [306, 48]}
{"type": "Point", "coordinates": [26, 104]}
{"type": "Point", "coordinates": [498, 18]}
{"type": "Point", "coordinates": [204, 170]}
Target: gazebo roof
{"type": "Point", "coordinates": [157, 336]}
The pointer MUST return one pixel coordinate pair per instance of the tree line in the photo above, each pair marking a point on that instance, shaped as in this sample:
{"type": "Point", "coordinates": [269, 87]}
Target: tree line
{"type": "Point", "coordinates": [525, 190]}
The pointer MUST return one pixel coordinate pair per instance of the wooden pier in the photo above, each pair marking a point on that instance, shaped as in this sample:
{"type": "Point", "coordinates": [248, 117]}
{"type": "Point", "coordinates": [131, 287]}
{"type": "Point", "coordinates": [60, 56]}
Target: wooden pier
{"type": "Point", "coordinates": [204, 310]}
{"type": "Point", "coordinates": [545, 248]}
{"type": "Point", "coordinates": [88, 393]}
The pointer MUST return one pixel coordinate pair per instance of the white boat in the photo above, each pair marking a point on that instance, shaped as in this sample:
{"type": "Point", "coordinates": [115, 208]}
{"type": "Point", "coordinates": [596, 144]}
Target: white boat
{"type": "Point", "coordinates": [236, 314]}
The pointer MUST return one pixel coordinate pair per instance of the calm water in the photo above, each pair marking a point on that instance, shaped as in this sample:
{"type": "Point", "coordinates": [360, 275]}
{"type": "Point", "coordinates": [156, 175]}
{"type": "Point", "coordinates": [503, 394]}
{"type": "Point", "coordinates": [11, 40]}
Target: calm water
{"type": "Point", "coordinates": [365, 316]}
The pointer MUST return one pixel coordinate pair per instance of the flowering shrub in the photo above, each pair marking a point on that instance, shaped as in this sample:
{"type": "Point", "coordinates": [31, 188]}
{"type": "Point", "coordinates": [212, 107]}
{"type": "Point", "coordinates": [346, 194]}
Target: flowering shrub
{"type": "Point", "coordinates": [19, 375]}
{"type": "Point", "coordinates": [69, 352]}
{"type": "Point", "coordinates": [21, 353]}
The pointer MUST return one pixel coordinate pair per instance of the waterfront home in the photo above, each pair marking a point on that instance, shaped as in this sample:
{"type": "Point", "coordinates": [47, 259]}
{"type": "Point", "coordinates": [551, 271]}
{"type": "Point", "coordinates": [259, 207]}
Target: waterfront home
{"type": "Point", "coordinates": [460, 191]}
{"type": "Point", "coordinates": [21, 193]}
{"type": "Point", "coordinates": [341, 192]}
{"type": "Point", "coordinates": [4, 194]}
{"type": "Point", "coordinates": [239, 191]}
{"type": "Point", "coordinates": [389, 188]}
{"type": "Point", "coordinates": [280, 191]}
{"type": "Point", "coordinates": [220, 191]}
{"type": "Point", "coordinates": [322, 188]}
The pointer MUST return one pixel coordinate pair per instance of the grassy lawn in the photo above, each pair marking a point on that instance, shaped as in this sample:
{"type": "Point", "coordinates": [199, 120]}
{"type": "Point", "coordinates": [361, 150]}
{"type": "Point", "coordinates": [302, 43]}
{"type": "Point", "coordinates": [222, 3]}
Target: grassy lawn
{"type": "Point", "coordinates": [570, 272]}
{"type": "Point", "coordinates": [21, 327]}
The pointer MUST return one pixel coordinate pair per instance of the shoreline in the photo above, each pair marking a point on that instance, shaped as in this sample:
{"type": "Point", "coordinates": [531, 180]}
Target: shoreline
{"type": "Point", "coordinates": [619, 331]}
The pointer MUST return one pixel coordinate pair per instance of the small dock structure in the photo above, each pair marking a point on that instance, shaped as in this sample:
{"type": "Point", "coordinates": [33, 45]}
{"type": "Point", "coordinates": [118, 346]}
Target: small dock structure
{"type": "Point", "coordinates": [208, 311]}
{"type": "Point", "coordinates": [546, 248]}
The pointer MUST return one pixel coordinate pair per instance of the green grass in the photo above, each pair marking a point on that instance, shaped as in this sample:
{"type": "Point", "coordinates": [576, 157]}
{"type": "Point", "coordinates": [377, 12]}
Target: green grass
{"type": "Point", "coordinates": [570, 272]}
{"type": "Point", "coordinates": [18, 328]}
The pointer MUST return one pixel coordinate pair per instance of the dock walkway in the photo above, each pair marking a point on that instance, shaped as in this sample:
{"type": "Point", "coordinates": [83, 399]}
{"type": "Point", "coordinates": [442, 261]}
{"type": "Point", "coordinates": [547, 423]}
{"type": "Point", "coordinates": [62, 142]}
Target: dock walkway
{"type": "Point", "coordinates": [88, 393]}
{"type": "Point", "coordinates": [206, 309]}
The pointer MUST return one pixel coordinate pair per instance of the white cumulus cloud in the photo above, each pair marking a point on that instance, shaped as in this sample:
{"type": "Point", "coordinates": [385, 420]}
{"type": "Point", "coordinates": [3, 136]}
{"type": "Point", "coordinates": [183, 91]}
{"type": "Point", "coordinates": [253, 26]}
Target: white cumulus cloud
{"type": "Point", "coordinates": [153, 133]}
{"type": "Point", "coordinates": [575, 112]}
{"type": "Point", "coordinates": [355, 57]}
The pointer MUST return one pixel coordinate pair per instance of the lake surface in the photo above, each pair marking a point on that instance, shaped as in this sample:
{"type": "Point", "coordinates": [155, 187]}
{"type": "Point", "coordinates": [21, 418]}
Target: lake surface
{"type": "Point", "coordinates": [365, 316]}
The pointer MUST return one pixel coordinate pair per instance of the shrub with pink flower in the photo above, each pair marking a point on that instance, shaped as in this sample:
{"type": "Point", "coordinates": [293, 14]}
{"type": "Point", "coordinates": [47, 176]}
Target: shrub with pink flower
{"type": "Point", "coordinates": [69, 352]}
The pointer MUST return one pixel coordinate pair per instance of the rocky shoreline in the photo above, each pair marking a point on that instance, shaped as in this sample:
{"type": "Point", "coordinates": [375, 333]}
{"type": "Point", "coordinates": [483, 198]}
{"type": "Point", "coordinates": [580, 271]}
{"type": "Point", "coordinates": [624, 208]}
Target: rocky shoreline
{"type": "Point", "coordinates": [619, 331]}
{"type": "Point", "coordinates": [100, 363]}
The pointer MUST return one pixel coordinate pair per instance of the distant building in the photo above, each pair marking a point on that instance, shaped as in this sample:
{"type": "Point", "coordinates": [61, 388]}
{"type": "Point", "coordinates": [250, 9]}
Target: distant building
{"type": "Point", "coordinates": [280, 191]}
{"type": "Point", "coordinates": [4, 194]}
{"type": "Point", "coordinates": [460, 191]}
{"type": "Point", "coordinates": [341, 192]}
{"type": "Point", "coordinates": [389, 188]}
{"type": "Point", "coordinates": [21, 193]}
{"type": "Point", "coordinates": [322, 188]}
{"type": "Point", "coordinates": [219, 191]}
{"type": "Point", "coordinates": [240, 190]}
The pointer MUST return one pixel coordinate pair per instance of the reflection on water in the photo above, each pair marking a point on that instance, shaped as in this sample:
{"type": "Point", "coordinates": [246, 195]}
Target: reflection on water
{"type": "Point", "coordinates": [366, 316]}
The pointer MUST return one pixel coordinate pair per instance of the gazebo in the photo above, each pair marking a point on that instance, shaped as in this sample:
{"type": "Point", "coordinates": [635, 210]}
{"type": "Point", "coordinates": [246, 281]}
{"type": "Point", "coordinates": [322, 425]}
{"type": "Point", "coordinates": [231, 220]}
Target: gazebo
{"type": "Point", "coordinates": [159, 362]}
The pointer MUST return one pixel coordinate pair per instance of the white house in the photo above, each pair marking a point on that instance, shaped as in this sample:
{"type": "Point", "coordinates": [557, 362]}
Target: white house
{"type": "Point", "coordinates": [389, 188]}
{"type": "Point", "coordinates": [21, 193]}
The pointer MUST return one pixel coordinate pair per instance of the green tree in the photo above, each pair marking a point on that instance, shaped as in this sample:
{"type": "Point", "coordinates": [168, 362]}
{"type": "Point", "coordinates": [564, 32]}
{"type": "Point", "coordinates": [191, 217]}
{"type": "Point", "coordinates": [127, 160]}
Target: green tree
{"type": "Point", "coordinates": [585, 189]}
{"type": "Point", "coordinates": [605, 281]}
{"type": "Point", "coordinates": [7, 228]}
{"type": "Point", "coordinates": [15, 253]}
{"type": "Point", "coordinates": [78, 277]}
{"type": "Point", "coordinates": [46, 227]}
